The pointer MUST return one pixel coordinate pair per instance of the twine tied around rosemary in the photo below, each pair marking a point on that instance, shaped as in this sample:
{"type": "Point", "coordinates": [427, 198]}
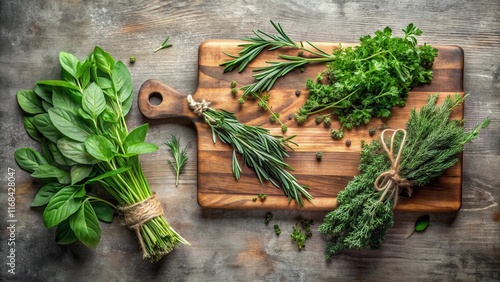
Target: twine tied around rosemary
{"type": "Point", "coordinates": [136, 215]}
{"type": "Point", "coordinates": [199, 108]}
{"type": "Point", "coordinates": [390, 182]}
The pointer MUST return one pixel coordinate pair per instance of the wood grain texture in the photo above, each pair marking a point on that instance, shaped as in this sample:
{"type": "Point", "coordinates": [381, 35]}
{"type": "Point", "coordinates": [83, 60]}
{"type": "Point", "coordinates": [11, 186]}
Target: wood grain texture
{"type": "Point", "coordinates": [235, 244]}
{"type": "Point", "coordinates": [217, 187]}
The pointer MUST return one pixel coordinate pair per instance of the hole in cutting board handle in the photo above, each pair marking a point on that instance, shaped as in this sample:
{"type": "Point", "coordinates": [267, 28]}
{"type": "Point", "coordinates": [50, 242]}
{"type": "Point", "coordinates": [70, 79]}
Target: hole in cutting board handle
{"type": "Point", "coordinates": [155, 98]}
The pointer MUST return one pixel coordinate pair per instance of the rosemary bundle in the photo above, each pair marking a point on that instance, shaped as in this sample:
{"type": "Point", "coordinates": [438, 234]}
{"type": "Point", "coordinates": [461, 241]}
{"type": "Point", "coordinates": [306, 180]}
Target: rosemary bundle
{"type": "Point", "coordinates": [415, 156]}
{"type": "Point", "coordinates": [261, 151]}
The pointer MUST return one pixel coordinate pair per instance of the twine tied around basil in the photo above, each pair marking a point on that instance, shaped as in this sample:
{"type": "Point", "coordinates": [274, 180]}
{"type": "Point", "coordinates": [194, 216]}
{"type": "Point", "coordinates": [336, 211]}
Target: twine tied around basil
{"type": "Point", "coordinates": [390, 182]}
{"type": "Point", "coordinates": [136, 215]}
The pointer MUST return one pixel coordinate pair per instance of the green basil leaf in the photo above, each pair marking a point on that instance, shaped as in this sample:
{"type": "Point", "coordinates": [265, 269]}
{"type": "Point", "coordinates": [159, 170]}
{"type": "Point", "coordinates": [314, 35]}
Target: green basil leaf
{"type": "Point", "coordinates": [46, 106]}
{"type": "Point", "coordinates": [422, 223]}
{"type": "Point", "coordinates": [122, 81]}
{"type": "Point", "coordinates": [58, 157]}
{"type": "Point", "coordinates": [29, 159]}
{"type": "Point", "coordinates": [69, 124]}
{"type": "Point", "coordinates": [64, 234]}
{"type": "Point", "coordinates": [107, 174]}
{"type": "Point", "coordinates": [63, 204]}
{"type": "Point", "coordinates": [79, 172]}
{"type": "Point", "coordinates": [29, 102]}
{"type": "Point", "coordinates": [93, 101]}
{"type": "Point", "coordinates": [103, 211]}
{"type": "Point", "coordinates": [48, 171]}
{"type": "Point", "coordinates": [119, 75]}
{"type": "Point", "coordinates": [43, 123]}
{"type": "Point", "coordinates": [100, 147]}
{"type": "Point", "coordinates": [103, 60]}
{"type": "Point", "coordinates": [60, 83]}
{"type": "Point", "coordinates": [45, 193]}
{"type": "Point", "coordinates": [75, 151]}
{"type": "Point", "coordinates": [136, 136]}
{"type": "Point", "coordinates": [84, 115]}
{"type": "Point", "coordinates": [84, 74]}
{"type": "Point", "coordinates": [83, 67]}
{"type": "Point", "coordinates": [44, 92]}
{"type": "Point", "coordinates": [140, 148]}
{"type": "Point", "coordinates": [61, 98]}
{"type": "Point", "coordinates": [86, 225]}
{"type": "Point", "coordinates": [105, 84]}
{"type": "Point", "coordinates": [127, 104]}
{"type": "Point", "coordinates": [31, 129]}
{"type": "Point", "coordinates": [69, 63]}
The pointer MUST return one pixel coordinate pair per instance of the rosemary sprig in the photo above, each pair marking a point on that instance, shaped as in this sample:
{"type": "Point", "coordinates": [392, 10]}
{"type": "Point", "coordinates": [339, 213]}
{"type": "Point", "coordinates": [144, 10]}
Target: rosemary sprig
{"type": "Point", "coordinates": [163, 45]}
{"type": "Point", "coordinates": [256, 45]}
{"type": "Point", "coordinates": [180, 156]}
{"type": "Point", "coordinates": [266, 76]}
{"type": "Point", "coordinates": [259, 149]}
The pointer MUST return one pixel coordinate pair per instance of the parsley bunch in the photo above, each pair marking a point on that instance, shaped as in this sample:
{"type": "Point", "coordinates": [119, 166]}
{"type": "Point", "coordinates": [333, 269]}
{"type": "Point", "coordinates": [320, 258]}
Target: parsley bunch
{"type": "Point", "coordinates": [433, 142]}
{"type": "Point", "coordinates": [369, 79]}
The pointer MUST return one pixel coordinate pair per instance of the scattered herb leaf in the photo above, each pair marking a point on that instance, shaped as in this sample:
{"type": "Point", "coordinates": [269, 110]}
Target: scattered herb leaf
{"type": "Point", "coordinates": [180, 156]}
{"type": "Point", "coordinates": [163, 45]}
{"type": "Point", "coordinates": [268, 218]}
{"type": "Point", "coordinates": [420, 225]}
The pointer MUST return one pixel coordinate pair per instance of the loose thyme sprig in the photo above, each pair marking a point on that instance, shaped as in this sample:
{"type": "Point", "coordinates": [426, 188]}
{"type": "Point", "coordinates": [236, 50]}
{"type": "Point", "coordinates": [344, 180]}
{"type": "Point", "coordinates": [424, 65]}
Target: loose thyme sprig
{"type": "Point", "coordinates": [261, 151]}
{"type": "Point", "coordinates": [180, 156]}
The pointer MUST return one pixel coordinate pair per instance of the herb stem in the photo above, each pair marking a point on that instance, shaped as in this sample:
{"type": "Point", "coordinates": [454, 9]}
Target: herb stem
{"type": "Point", "coordinates": [102, 200]}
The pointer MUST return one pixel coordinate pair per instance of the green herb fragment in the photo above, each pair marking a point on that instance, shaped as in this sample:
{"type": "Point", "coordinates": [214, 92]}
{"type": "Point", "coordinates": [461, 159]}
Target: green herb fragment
{"type": "Point", "coordinates": [431, 144]}
{"type": "Point", "coordinates": [233, 84]}
{"type": "Point", "coordinates": [264, 104]}
{"type": "Point", "coordinates": [301, 231]}
{"type": "Point", "coordinates": [368, 80]}
{"type": "Point", "coordinates": [298, 237]}
{"type": "Point", "coordinates": [80, 124]}
{"type": "Point", "coordinates": [268, 218]}
{"type": "Point", "coordinates": [180, 156]}
{"type": "Point", "coordinates": [420, 225]}
{"type": "Point", "coordinates": [260, 150]}
{"type": "Point", "coordinates": [163, 45]}
{"type": "Point", "coordinates": [234, 91]}
{"type": "Point", "coordinates": [262, 197]}
{"type": "Point", "coordinates": [132, 59]}
{"type": "Point", "coordinates": [319, 155]}
{"type": "Point", "coordinates": [267, 76]}
{"type": "Point", "coordinates": [277, 229]}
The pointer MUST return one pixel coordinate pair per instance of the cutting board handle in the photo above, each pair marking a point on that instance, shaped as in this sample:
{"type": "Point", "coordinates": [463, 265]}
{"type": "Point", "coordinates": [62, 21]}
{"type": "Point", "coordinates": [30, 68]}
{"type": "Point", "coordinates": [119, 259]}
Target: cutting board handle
{"type": "Point", "coordinates": [157, 100]}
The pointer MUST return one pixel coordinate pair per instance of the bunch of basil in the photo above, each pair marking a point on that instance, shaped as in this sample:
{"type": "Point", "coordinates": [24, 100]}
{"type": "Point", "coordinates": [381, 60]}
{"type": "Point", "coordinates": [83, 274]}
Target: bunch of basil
{"type": "Point", "coordinates": [80, 124]}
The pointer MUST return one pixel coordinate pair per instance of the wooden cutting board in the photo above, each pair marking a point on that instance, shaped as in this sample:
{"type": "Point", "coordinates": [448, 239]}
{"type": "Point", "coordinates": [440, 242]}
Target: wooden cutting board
{"type": "Point", "coordinates": [217, 187]}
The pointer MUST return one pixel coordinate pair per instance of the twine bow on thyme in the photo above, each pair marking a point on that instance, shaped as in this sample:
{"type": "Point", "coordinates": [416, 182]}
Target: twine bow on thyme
{"type": "Point", "coordinates": [136, 215]}
{"type": "Point", "coordinates": [390, 182]}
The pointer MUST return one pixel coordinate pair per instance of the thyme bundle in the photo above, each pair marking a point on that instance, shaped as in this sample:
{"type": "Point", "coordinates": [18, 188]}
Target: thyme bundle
{"type": "Point", "coordinates": [261, 151]}
{"type": "Point", "coordinates": [429, 145]}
